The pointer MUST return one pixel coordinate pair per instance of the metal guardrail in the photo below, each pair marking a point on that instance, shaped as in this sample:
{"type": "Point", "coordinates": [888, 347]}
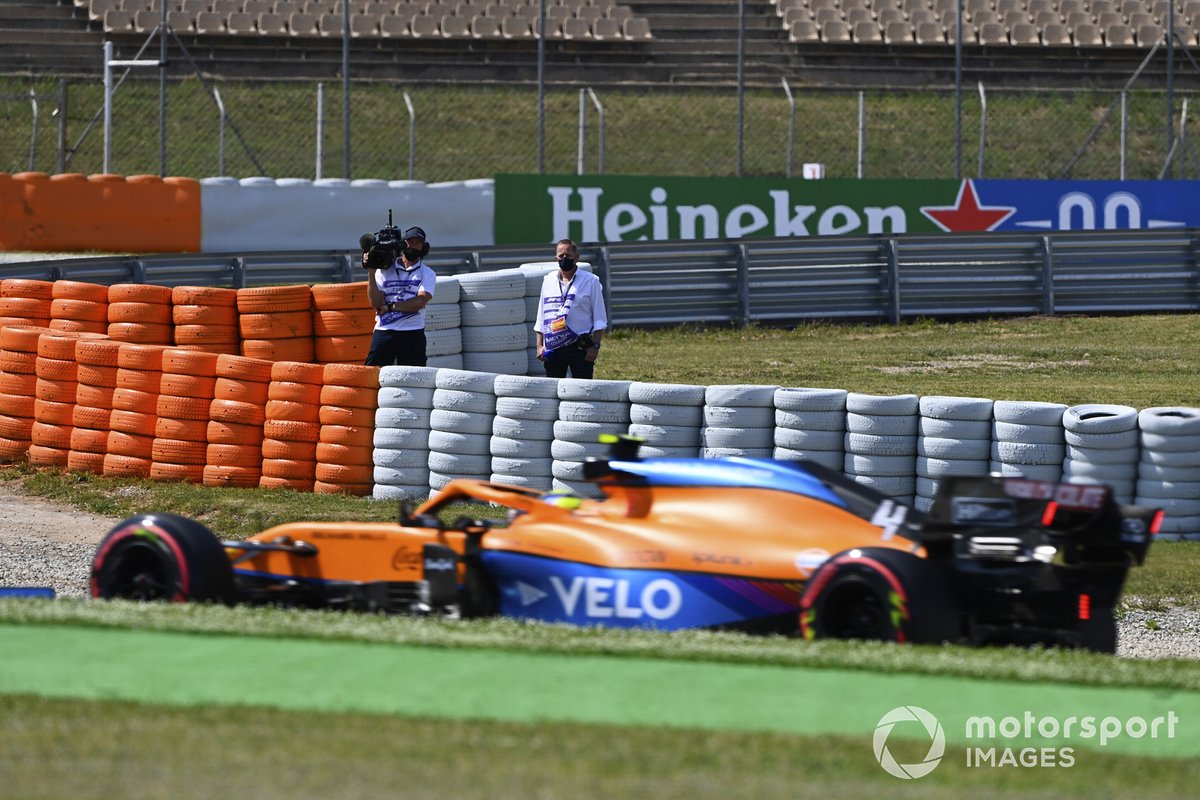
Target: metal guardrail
{"type": "Point", "coordinates": [773, 281]}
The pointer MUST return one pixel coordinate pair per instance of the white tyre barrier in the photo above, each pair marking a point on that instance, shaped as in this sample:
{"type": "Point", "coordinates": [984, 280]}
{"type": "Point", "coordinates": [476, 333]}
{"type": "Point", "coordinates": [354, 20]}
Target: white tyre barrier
{"type": "Point", "coordinates": [799, 439]}
{"type": "Point", "coordinates": [476, 313]}
{"type": "Point", "coordinates": [858, 464]}
{"type": "Point", "coordinates": [892, 485]}
{"type": "Point", "coordinates": [511, 362]}
{"type": "Point", "coordinates": [404, 397]}
{"type": "Point", "coordinates": [465, 381]}
{"type": "Point", "coordinates": [1100, 418]}
{"type": "Point", "coordinates": [561, 450]}
{"type": "Point", "coordinates": [736, 452]}
{"type": "Point", "coordinates": [882, 424]}
{"type": "Point", "coordinates": [458, 465]}
{"type": "Point", "coordinates": [395, 438]}
{"type": "Point", "coordinates": [450, 361]}
{"type": "Point", "coordinates": [540, 483]}
{"type": "Point", "coordinates": [1100, 472]}
{"type": "Point", "coordinates": [899, 405]}
{"type": "Point", "coordinates": [461, 400]}
{"type": "Point", "coordinates": [513, 428]}
{"type": "Point", "coordinates": [877, 445]}
{"type": "Point", "coordinates": [1188, 490]}
{"type": "Point", "coordinates": [666, 394]}
{"type": "Point", "coordinates": [1167, 458]}
{"type": "Point", "coordinates": [1098, 455]}
{"type": "Point", "coordinates": [521, 466]}
{"type": "Point", "coordinates": [460, 443]}
{"type": "Point", "coordinates": [1036, 472]}
{"type": "Point", "coordinates": [526, 386]}
{"type": "Point", "coordinates": [947, 467]}
{"type": "Point", "coordinates": [446, 291]}
{"type": "Point", "coordinates": [459, 421]}
{"type": "Point", "coordinates": [1029, 434]}
{"type": "Point", "coordinates": [542, 408]}
{"type": "Point", "coordinates": [493, 339]}
{"type": "Point", "coordinates": [956, 428]}
{"type": "Point", "coordinates": [505, 447]}
{"type": "Point", "coordinates": [443, 343]}
{"type": "Point", "coordinates": [569, 431]}
{"type": "Point", "coordinates": [441, 318]}
{"type": "Point", "coordinates": [393, 458]}
{"type": "Point", "coordinates": [567, 470]}
{"type": "Point", "coordinates": [755, 438]}
{"type": "Point", "coordinates": [811, 399]}
{"type": "Point", "coordinates": [664, 414]}
{"type": "Point", "coordinates": [811, 420]}
{"type": "Point", "coordinates": [1119, 440]}
{"type": "Point", "coordinates": [976, 409]}
{"type": "Point", "coordinates": [593, 411]}
{"type": "Point", "coordinates": [830, 459]}
{"type": "Point", "coordinates": [504, 284]}
{"type": "Point", "coordinates": [388, 492]}
{"type": "Point", "coordinates": [1029, 413]}
{"type": "Point", "coordinates": [667, 435]}
{"type": "Point", "coordinates": [414, 377]}
{"type": "Point", "coordinates": [403, 476]}
{"type": "Point", "coordinates": [968, 449]}
{"type": "Point", "coordinates": [740, 395]}
{"type": "Point", "coordinates": [1170, 421]}
{"type": "Point", "coordinates": [1167, 443]}
{"type": "Point", "coordinates": [654, 451]}
{"type": "Point", "coordinates": [583, 389]}
{"type": "Point", "coordinates": [739, 416]}
{"type": "Point", "coordinates": [1021, 453]}
{"type": "Point", "coordinates": [403, 418]}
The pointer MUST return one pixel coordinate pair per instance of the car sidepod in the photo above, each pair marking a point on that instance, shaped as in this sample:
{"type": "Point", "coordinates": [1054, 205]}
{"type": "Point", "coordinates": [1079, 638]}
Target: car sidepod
{"type": "Point", "coordinates": [550, 590]}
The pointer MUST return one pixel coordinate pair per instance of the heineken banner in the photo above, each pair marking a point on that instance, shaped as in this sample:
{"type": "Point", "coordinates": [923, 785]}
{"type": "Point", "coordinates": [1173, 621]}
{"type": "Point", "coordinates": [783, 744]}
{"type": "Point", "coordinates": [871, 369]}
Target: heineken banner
{"type": "Point", "coordinates": [600, 208]}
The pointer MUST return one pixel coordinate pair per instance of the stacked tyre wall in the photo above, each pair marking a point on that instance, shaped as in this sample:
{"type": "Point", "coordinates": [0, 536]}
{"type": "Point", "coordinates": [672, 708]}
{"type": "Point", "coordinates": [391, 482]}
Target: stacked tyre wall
{"type": "Point", "coordinates": [75, 396]}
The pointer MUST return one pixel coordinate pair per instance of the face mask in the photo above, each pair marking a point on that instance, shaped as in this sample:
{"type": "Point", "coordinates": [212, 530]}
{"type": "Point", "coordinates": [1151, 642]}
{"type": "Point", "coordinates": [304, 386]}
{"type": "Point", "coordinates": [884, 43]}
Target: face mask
{"type": "Point", "coordinates": [412, 254]}
{"type": "Point", "coordinates": [566, 264]}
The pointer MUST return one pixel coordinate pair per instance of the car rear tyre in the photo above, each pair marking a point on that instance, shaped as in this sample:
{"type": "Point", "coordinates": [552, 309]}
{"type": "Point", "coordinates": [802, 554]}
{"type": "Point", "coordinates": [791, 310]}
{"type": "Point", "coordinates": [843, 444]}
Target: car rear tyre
{"type": "Point", "coordinates": [162, 557]}
{"type": "Point", "coordinates": [1098, 633]}
{"type": "Point", "coordinates": [879, 594]}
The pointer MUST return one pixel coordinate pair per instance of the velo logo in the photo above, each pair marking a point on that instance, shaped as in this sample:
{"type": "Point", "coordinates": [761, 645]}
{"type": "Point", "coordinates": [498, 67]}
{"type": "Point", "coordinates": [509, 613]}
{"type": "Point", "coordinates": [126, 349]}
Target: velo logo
{"type": "Point", "coordinates": [937, 745]}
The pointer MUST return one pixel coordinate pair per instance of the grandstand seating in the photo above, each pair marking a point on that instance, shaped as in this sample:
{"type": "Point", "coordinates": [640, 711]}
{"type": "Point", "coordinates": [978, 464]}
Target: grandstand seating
{"type": "Point", "coordinates": [571, 20]}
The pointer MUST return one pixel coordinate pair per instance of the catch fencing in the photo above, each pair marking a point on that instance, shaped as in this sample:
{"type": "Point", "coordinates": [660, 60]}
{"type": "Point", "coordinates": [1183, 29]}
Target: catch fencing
{"type": "Point", "coordinates": [772, 281]}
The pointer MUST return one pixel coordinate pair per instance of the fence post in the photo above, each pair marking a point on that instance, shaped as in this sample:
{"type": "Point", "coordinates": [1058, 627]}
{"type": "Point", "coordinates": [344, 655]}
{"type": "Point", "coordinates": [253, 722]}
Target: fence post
{"type": "Point", "coordinates": [743, 284]}
{"type": "Point", "coordinates": [320, 127]}
{"type": "Point", "coordinates": [982, 125]}
{"type": "Point", "coordinates": [220, 132]}
{"type": "Point", "coordinates": [412, 137]}
{"type": "Point", "coordinates": [893, 280]}
{"type": "Point", "coordinates": [33, 131]}
{"type": "Point", "coordinates": [1124, 128]}
{"type": "Point", "coordinates": [791, 128]}
{"type": "Point", "coordinates": [237, 266]}
{"type": "Point", "coordinates": [60, 165]}
{"type": "Point", "coordinates": [1047, 276]}
{"type": "Point", "coordinates": [862, 133]}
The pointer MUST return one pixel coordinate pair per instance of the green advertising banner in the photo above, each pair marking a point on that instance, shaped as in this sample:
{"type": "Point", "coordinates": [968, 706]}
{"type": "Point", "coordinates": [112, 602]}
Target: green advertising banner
{"type": "Point", "coordinates": [625, 208]}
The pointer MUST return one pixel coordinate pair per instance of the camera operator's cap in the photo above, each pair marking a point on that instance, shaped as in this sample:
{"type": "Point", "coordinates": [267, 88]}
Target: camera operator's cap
{"type": "Point", "coordinates": [415, 233]}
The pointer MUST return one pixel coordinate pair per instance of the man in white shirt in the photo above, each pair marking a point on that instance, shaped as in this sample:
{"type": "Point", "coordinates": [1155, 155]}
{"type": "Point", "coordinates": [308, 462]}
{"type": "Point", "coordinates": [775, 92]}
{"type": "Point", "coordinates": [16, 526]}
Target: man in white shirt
{"type": "Point", "coordinates": [399, 294]}
{"type": "Point", "coordinates": [571, 317]}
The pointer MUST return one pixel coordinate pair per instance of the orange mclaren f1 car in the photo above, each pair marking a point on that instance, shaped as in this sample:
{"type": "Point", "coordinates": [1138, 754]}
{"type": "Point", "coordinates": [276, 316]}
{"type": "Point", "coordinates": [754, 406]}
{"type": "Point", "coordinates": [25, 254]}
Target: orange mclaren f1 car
{"type": "Point", "coordinates": [751, 544]}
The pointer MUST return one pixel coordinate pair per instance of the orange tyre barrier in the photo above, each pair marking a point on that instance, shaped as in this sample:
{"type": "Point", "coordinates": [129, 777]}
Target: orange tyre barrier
{"type": "Point", "coordinates": [359, 436]}
{"type": "Point", "coordinates": [189, 362]}
{"type": "Point", "coordinates": [27, 287]}
{"type": "Point", "coordinates": [344, 349]}
{"type": "Point", "coordinates": [55, 413]}
{"type": "Point", "coordinates": [21, 338]}
{"type": "Point", "coordinates": [78, 326]}
{"type": "Point", "coordinates": [192, 473]}
{"type": "Point", "coordinates": [207, 333]}
{"type": "Point", "coordinates": [16, 427]}
{"type": "Point", "coordinates": [130, 444]}
{"type": "Point", "coordinates": [286, 468]}
{"type": "Point", "coordinates": [291, 431]}
{"type": "Point", "coordinates": [327, 296]}
{"type": "Point", "coordinates": [278, 325]}
{"type": "Point", "coordinates": [78, 310]}
{"type": "Point", "coordinates": [30, 308]}
{"type": "Point", "coordinates": [220, 432]}
{"type": "Point", "coordinates": [244, 368]}
{"type": "Point", "coordinates": [146, 293]}
{"type": "Point", "coordinates": [141, 356]}
{"type": "Point", "coordinates": [90, 440]}
{"type": "Point", "coordinates": [189, 386]}
{"type": "Point", "coordinates": [134, 399]}
{"type": "Point", "coordinates": [85, 461]}
{"type": "Point", "coordinates": [98, 352]}
{"type": "Point", "coordinates": [56, 369]}
{"type": "Point", "coordinates": [43, 456]}
{"type": "Point", "coordinates": [351, 375]}
{"type": "Point", "coordinates": [79, 290]}
{"type": "Point", "coordinates": [96, 376]}
{"type": "Point", "coordinates": [242, 390]}
{"type": "Point", "coordinates": [349, 396]}
{"type": "Point", "coordinates": [354, 489]}
{"type": "Point", "coordinates": [133, 311]}
{"type": "Point", "coordinates": [126, 466]}
{"type": "Point", "coordinates": [204, 315]}
{"type": "Point", "coordinates": [341, 415]}
{"type": "Point", "coordinates": [237, 412]}
{"type": "Point", "coordinates": [190, 430]}
{"type": "Point", "coordinates": [145, 380]}
{"type": "Point", "coordinates": [273, 299]}
{"type": "Point", "coordinates": [134, 422]}
{"type": "Point", "coordinates": [16, 383]}
{"type": "Point", "coordinates": [142, 332]}
{"type": "Point", "coordinates": [215, 475]}
{"type": "Point", "coordinates": [179, 451]}
{"type": "Point", "coordinates": [94, 396]}
{"type": "Point", "coordinates": [185, 408]}
{"type": "Point", "coordinates": [20, 405]}
{"type": "Point", "coordinates": [18, 362]}
{"type": "Point", "coordinates": [343, 454]}
{"type": "Point", "coordinates": [295, 392]}
{"type": "Point", "coordinates": [344, 323]}
{"type": "Point", "coordinates": [57, 344]}
{"type": "Point", "coordinates": [288, 409]}
{"type": "Point", "coordinates": [58, 391]}
{"type": "Point", "coordinates": [289, 451]}
{"type": "Point", "coordinates": [204, 296]}
{"type": "Point", "coordinates": [235, 455]}
{"type": "Point", "coordinates": [49, 435]}
{"type": "Point", "coordinates": [298, 372]}
{"type": "Point", "coordinates": [344, 473]}
{"type": "Point", "coordinates": [297, 349]}
{"type": "Point", "coordinates": [90, 417]}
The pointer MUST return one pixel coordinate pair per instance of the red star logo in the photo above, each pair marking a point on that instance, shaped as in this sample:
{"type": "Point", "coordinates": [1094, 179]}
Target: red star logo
{"type": "Point", "coordinates": [966, 214]}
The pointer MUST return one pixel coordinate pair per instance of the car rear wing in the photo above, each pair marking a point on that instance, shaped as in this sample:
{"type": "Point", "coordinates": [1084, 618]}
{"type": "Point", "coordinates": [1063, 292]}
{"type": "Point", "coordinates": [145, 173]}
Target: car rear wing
{"type": "Point", "coordinates": [1083, 520]}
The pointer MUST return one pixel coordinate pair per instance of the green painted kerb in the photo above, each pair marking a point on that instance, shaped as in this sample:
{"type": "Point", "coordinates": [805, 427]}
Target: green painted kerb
{"type": "Point", "coordinates": [300, 674]}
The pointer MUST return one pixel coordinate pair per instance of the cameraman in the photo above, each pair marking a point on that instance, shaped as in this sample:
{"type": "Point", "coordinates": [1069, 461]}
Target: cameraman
{"type": "Point", "coordinates": [399, 292]}
{"type": "Point", "coordinates": [571, 317]}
